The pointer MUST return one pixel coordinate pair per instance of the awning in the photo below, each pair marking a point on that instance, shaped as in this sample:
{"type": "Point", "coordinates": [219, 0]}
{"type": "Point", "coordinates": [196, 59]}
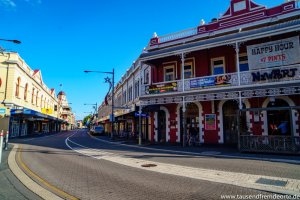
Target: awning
{"type": "Point", "coordinates": [32, 113]}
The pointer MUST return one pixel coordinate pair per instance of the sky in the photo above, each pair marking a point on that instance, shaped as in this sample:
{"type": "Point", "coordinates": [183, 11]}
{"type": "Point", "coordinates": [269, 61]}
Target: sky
{"type": "Point", "coordinates": [63, 38]}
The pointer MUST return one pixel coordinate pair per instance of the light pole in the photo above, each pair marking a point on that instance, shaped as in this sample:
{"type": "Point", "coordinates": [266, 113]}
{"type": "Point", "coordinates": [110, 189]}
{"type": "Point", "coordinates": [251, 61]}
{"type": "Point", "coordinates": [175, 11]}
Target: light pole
{"type": "Point", "coordinates": [112, 86]}
{"type": "Point", "coordinates": [5, 93]}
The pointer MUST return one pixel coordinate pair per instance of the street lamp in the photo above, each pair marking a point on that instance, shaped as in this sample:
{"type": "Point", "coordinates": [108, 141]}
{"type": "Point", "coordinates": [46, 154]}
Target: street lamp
{"type": "Point", "coordinates": [112, 85]}
{"type": "Point", "coordinates": [95, 105]}
{"type": "Point", "coordinates": [13, 41]}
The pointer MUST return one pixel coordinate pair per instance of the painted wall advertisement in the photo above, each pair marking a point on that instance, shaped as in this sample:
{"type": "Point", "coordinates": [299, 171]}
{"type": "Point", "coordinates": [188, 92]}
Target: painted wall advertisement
{"type": "Point", "coordinates": [275, 53]}
{"type": "Point", "coordinates": [210, 122]}
{"type": "Point", "coordinates": [161, 88]}
{"type": "Point", "coordinates": [213, 81]}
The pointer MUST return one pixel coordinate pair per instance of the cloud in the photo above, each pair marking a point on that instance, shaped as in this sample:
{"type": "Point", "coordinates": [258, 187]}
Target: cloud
{"type": "Point", "coordinates": [13, 4]}
{"type": "Point", "coordinates": [8, 3]}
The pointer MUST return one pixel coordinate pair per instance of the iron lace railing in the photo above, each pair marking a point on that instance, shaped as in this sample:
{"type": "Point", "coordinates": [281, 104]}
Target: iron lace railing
{"type": "Point", "coordinates": [270, 143]}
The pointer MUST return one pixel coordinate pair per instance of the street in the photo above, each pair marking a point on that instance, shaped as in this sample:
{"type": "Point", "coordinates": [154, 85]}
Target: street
{"type": "Point", "coordinates": [85, 167]}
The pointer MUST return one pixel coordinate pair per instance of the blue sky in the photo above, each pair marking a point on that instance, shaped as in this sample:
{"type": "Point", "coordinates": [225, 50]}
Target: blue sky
{"type": "Point", "coordinates": [65, 37]}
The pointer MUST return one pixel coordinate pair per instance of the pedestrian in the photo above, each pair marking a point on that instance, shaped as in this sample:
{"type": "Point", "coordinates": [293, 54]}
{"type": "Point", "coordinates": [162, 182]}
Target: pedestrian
{"type": "Point", "coordinates": [283, 127]}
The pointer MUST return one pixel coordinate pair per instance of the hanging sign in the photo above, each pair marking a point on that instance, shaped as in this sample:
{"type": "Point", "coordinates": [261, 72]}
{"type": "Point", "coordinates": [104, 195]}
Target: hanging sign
{"type": "Point", "coordinates": [210, 122]}
{"type": "Point", "coordinates": [275, 53]}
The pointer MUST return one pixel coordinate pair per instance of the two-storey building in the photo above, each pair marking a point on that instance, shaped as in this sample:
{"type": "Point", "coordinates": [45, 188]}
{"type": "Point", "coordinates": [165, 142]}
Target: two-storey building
{"type": "Point", "coordinates": [236, 76]}
{"type": "Point", "coordinates": [248, 59]}
{"type": "Point", "coordinates": [27, 105]}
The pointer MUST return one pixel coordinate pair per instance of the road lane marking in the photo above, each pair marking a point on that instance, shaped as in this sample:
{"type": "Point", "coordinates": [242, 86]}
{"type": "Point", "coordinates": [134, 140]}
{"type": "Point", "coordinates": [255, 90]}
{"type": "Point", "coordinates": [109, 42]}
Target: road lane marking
{"type": "Point", "coordinates": [202, 154]}
{"type": "Point", "coordinates": [225, 177]}
{"type": "Point", "coordinates": [41, 180]}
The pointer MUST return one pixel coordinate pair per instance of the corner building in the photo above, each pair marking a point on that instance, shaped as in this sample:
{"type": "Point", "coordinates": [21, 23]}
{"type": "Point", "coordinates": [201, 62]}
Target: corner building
{"type": "Point", "coordinates": [233, 80]}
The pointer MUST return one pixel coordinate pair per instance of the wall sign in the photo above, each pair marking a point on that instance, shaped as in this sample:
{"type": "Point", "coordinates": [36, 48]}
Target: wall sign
{"type": "Point", "coordinates": [214, 81]}
{"type": "Point", "coordinates": [210, 122]}
{"type": "Point", "coordinates": [161, 88]}
{"type": "Point", "coordinates": [275, 74]}
{"type": "Point", "coordinates": [275, 53]}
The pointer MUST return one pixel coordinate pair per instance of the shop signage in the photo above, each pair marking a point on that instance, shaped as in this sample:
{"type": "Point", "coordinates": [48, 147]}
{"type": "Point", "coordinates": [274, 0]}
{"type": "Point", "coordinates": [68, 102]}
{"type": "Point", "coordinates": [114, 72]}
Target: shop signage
{"type": "Point", "coordinates": [213, 81]}
{"type": "Point", "coordinates": [275, 74]}
{"type": "Point", "coordinates": [210, 122]}
{"type": "Point", "coordinates": [275, 53]}
{"type": "Point", "coordinates": [161, 88]}
{"type": "Point", "coordinates": [47, 111]}
{"type": "Point", "coordinates": [136, 114]}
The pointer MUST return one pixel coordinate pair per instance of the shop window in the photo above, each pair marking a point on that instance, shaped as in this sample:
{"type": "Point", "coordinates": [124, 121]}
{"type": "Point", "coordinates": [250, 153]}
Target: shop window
{"type": "Point", "coordinates": [218, 65]}
{"type": "Point", "coordinates": [169, 73]}
{"type": "Point", "coordinates": [25, 91]}
{"type": "Point", "coordinates": [243, 59]}
{"type": "Point", "coordinates": [18, 87]}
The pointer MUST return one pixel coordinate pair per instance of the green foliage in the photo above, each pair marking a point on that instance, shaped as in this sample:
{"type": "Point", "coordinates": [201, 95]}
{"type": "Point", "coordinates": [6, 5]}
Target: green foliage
{"type": "Point", "coordinates": [86, 119]}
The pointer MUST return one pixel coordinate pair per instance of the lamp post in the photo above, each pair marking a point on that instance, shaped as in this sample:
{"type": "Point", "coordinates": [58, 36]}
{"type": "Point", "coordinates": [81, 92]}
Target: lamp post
{"type": "Point", "coordinates": [112, 85]}
{"type": "Point", "coordinates": [5, 93]}
{"type": "Point", "coordinates": [13, 41]}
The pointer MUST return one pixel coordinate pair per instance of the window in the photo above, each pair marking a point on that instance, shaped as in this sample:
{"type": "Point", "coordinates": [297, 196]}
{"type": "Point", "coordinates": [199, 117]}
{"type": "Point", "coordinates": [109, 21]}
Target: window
{"type": "Point", "coordinates": [189, 69]}
{"type": "Point", "coordinates": [25, 92]}
{"type": "Point", "coordinates": [32, 96]}
{"type": "Point", "coordinates": [218, 66]}
{"type": "Point", "coordinates": [244, 66]}
{"type": "Point", "coordinates": [130, 93]}
{"type": "Point", "coordinates": [169, 73]}
{"type": "Point", "coordinates": [124, 98]}
{"type": "Point", "coordinates": [18, 87]}
{"type": "Point", "coordinates": [41, 101]}
{"type": "Point", "coordinates": [36, 100]}
{"type": "Point", "coordinates": [136, 89]}
{"type": "Point", "coordinates": [146, 76]}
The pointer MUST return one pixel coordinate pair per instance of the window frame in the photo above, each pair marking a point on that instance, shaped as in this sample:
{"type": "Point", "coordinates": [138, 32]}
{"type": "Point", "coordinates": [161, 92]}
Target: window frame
{"type": "Point", "coordinates": [191, 62]}
{"type": "Point", "coordinates": [169, 65]}
{"type": "Point", "coordinates": [243, 62]}
{"type": "Point", "coordinates": [212, 60]}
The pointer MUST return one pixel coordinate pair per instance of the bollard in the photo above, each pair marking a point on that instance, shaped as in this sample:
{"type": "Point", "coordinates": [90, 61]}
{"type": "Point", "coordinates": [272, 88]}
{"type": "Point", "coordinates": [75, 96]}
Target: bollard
{"type": "Point", "coordinates": [1, 143]}
{"type": "Point", "coordinates": [6, 140]}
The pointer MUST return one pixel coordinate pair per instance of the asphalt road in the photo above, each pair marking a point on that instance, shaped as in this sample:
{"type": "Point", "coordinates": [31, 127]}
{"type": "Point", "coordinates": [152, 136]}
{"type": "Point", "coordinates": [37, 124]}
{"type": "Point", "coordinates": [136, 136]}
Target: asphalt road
{"type": "Point", "coordinates": [88, 178]}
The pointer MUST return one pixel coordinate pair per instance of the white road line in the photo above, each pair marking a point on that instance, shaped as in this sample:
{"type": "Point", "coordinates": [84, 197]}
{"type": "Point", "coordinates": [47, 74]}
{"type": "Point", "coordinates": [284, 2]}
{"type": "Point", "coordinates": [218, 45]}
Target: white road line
{"type": "Point", "coordinates": [238, 179]}
{"type": "Point", "coordinates": [203, 154]}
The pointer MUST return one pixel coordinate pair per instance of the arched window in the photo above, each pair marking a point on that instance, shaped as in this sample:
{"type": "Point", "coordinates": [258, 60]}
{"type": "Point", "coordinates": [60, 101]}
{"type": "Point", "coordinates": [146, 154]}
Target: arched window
{"type": "Point", "coordinates": [25, 91]}
{"type": "Point", "coordinates": [18, 87]}
{"type": "Point", "coordinates": [36, 100]}
{"type": "Point", "coordinates": [41, 101]}
{"type": "Point", "coordinates": [32, 95]}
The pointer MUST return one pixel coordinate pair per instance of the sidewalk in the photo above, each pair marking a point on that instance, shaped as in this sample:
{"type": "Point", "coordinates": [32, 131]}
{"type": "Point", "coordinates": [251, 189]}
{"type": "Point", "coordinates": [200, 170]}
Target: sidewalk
{"type": "Point", "coordinates": [209, 150]}
{"type": "Point", "coordinates": [10, 187]}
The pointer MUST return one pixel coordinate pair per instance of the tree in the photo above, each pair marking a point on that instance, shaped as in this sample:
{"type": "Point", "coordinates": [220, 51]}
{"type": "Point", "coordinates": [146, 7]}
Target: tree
{"type": "Point", "coordinates": [86, 119]}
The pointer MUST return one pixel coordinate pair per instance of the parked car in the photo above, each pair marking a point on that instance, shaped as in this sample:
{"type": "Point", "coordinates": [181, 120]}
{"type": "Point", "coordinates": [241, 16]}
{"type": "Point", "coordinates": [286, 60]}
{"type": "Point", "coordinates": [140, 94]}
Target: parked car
{"type": "Point", "coordinates": [99, 130]}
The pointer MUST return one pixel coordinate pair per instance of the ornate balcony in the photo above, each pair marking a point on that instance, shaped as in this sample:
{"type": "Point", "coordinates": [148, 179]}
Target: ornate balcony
{"type": "Point", "coordinates": [262, 77]}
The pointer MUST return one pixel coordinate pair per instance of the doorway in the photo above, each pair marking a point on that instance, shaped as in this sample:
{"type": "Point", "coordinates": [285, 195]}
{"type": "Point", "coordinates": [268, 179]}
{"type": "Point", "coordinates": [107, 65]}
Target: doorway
{"type": "Point", "coordinates": [161, 129]}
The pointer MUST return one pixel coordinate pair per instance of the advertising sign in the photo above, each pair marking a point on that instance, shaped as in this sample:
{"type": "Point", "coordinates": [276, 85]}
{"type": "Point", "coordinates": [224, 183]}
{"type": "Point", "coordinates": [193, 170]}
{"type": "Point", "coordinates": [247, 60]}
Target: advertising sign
{"type": "Point", "coordinates": [213, 81]}
{"type": "Point", "coordinates": [47, 111]}
{"type": "Point", "coordinates": [210, 122]}
{"type": "Point", "coordinates": [161, 88]}
{"type": "Point", "coordinates": [275, 53]}
{"type": "Point", "coordinates": [2, 111]}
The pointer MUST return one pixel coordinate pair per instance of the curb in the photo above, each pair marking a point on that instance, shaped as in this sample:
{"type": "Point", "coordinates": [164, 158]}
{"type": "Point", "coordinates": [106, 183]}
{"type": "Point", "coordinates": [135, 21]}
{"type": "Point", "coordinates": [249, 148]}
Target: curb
{"type": "Point", "coordinates": [288, 161]}
{"type": "Point", "coordinates": [26, 180]}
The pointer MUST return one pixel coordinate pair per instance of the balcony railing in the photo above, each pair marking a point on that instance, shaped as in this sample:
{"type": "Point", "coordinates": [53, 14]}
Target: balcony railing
{"type": "Point", "coordinates": [271, 143]}
{"type": "Point", "coordinates": [178, 35]}
{"type": "Point", "coordinates": [247, 78]}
